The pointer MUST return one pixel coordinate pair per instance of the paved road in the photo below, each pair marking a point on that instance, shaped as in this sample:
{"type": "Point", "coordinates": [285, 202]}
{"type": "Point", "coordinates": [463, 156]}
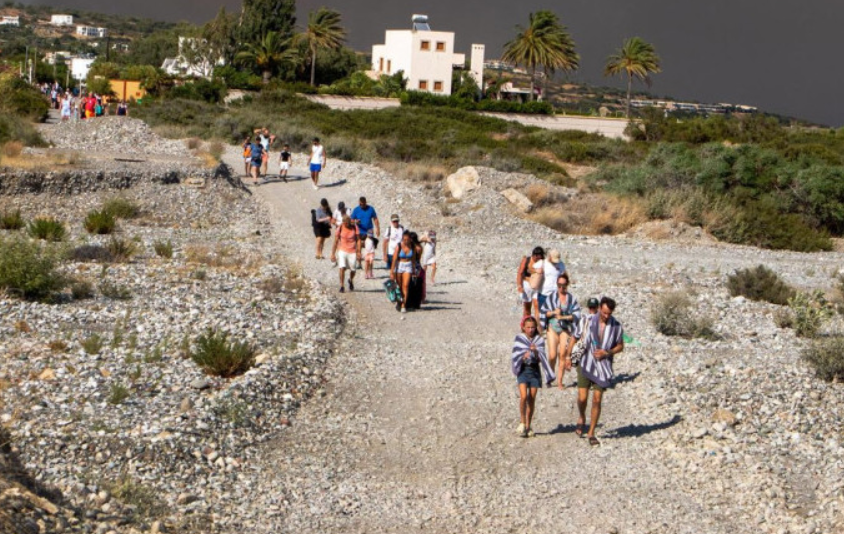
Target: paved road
{"type": "Point", "coordinates": [613, 128]}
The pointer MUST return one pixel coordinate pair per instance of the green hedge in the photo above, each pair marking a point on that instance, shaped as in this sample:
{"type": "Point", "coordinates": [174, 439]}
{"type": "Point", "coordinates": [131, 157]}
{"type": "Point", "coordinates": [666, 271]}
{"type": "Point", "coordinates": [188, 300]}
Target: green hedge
{"type": "Point", "coordinates": [422, 98]}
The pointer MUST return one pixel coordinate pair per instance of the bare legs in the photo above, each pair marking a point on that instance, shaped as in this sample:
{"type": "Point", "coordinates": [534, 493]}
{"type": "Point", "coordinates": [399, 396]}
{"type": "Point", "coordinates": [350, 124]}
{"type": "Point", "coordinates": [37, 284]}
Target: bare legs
{"type": "Point", "coordinates": [404, 284]}
{"type": "Point", "coordinates": [527, 404]}
{"type": "Point", "coordinates": [320, 244]}
{"type": "Point", "coordinates": [582, 399]}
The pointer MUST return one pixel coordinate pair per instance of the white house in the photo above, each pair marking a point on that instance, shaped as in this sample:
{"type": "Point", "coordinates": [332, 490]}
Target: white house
{"type": "Point", "coordinates": [61, 20]}
{"type": "Point", "coordinates": [195, 58]}
{"type": "Point", "coordinates": [427, 57]}
{"type": "Point", "coordinates": [91, 31]}
{"type": "Point", "coordinates": [8, 20]}
{"type": "Point", "coordinates": [79, 67]}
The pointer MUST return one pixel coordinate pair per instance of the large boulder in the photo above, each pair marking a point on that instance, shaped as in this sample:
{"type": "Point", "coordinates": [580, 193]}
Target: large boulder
{"type": "Point", "coordinates": [517, 199]}
{"type": "Point", "coordinates": [463, 181]}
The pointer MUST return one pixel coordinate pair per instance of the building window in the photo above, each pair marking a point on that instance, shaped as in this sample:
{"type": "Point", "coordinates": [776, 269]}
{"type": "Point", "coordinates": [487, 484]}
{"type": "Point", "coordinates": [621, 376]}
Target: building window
{"type": "Point", "coordinates": [423, 85]}
{"type": "Point", "coordinates": [389, 66]}
{"type": "Point", "coordinates": [425, 45]}
{"type": "Point", "coordinates": [438, 87]}
{"type": "Point", "coordinates": [381, 64]}
{"type": "Point", "coordinates": [440, 46]}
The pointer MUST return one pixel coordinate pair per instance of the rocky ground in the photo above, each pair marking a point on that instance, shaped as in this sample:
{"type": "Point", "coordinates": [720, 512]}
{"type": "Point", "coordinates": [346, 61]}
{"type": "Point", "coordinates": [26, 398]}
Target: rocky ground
{"type": "Point", "coordinates": [410, 420]}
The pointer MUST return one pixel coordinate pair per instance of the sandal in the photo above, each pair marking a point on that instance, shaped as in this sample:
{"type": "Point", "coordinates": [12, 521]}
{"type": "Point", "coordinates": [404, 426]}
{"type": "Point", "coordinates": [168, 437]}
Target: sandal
{"type": "Point", "coordinates": [578, 430]}
{"type": "Point", "coordinates": [593, 441]}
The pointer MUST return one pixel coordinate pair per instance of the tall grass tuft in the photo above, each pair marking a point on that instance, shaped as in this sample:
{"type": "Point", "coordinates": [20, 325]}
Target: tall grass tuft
{"type": "Point", "coordinates": [46, 229]}
{"type": "Point", "coordinates": [218, 356]}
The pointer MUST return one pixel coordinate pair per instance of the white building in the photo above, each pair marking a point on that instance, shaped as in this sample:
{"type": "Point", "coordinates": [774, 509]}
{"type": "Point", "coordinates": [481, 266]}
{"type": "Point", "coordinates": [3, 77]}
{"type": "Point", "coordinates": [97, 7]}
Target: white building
{"type": "Point", "coordinates": [53, 58]}
{"type": "Point", "coordinates": [195, 58]}
{"type": "Point", "coordinates": [427, 57]}
{"type": "Point", "coordinates": [7, 20]}
{"type": "Point", "coordinates": [90, 31]}
{"type": "Point", "coordinates": [79, 67]}
{"type": "Point", "coordinates": [61, 20]}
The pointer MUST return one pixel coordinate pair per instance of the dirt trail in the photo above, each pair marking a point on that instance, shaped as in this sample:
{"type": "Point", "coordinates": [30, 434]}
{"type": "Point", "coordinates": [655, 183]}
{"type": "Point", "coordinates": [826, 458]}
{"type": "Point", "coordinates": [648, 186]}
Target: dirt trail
{"type": "Point", "coordinates": [416, 431]}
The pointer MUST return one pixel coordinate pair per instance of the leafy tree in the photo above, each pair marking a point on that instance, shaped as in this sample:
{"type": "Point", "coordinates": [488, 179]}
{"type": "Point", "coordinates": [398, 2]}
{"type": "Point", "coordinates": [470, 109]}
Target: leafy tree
{"type": "Point", "coordinates": [544, 43]}
{"type": "Point", "coordinates": [220, 35]}
{"type": "Point", "coordinates": [463, 85]}
{"type": "Point", "coordinates": [260, 17]}
{"type": "Point", "coordinates": [323, 32]}
{"type": "Point", "coordinates": [270, 53]}
{"type": "Point", "coordinates": [636, 58]}
{"type": "Point", "coordinates": [153, 49]}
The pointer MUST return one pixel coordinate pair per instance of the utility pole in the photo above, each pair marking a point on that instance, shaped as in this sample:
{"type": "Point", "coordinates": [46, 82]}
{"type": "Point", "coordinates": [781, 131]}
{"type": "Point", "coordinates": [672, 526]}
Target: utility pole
{"type": "Point", "coordinates": [26, 62]}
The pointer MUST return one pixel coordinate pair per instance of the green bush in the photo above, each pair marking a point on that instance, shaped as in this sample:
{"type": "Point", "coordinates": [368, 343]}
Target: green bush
{"type": "Point", "coordinates": [162, 249]}
{"type": "Point", "coordinates": [115, 291]}
{"type": "Point", "coordinates": [100, 222]}
{"type": "Point", "coordinates": [11, 220]}
{"type": "Point", "coordinates": [28, 270]}
{"type": "Point", "coordinates": [826, 355]}
{"type": "Point", "coordinates": [46, 229]}
{"type": "Point", "coordinates": [121, 208]}
{"type": "Point", "coordinates": [760, 283]}
{"type": "Point", "coordinates": [218, 356]}
{"type": "Point", "coordinates": [92, 344]}
{"type": "Point", "coordinates": [81, 289]}
{"type": "Point", "coordinates": [19, 98]}
{"type": "Point", "coordinates": [121, 250]}
{"type": "Point", "coordinates": [672, 315]}
{"type": "Point", "coordinates": [810, 311]}
{"type": "Point", "coordinates": [200, 89]}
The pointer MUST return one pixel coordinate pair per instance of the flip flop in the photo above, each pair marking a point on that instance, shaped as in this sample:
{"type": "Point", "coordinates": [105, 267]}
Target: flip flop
{"type": "Point", "coordinates": [593, 441]}
{"type": "Point", "coordinates": [578, 430]}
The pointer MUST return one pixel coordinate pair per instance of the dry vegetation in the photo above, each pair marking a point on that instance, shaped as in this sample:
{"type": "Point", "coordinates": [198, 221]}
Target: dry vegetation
{"type": "Point", "coordinates": [590, 214]}
{"type": "Point", "coordinates": [14, 158]}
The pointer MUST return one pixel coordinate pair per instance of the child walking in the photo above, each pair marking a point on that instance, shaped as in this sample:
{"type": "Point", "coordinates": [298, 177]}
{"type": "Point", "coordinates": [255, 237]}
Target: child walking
{"type": "Point", "coordinates": [369, 247]}
{"type": "Point", "coordinates": [528, 363]}
{"type": "Point", "coordinates": [285, 160]}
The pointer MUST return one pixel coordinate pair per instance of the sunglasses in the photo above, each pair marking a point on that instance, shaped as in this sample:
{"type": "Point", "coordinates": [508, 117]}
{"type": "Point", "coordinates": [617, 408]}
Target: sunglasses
{"type": "Point", "coordinates": [562, 285]}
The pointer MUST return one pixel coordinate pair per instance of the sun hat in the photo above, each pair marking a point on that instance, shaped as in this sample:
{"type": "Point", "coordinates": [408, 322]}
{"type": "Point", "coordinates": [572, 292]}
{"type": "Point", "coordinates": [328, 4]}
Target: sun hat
{"type": "Point", "coordinates": [554, 255]}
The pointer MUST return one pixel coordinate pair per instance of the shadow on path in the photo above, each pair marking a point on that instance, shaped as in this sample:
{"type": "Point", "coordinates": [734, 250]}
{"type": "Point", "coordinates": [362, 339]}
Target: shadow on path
{"type": "Point", "coordinates": [635, 431]}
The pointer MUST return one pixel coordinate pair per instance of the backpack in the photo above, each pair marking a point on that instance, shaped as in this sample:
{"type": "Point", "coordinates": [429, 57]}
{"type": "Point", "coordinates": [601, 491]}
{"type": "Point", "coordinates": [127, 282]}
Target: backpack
{"type": "Point", "coordinates": [313, 219]}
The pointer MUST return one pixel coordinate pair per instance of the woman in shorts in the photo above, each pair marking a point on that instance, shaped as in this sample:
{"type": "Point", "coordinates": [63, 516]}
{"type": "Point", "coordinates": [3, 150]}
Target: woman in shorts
{"type": "Point", "coordinates": [528, 296]}
{"type": "Point", "coordinates": [528, 362]}
{"type": "Point", "coordinates": [561, 313]}
{"type": "Point", "coordinates": [247, 155]}
{"type": "Point", "coordinates": [322, 228]}
{"type": "Point", "coordinates": [404, 261]}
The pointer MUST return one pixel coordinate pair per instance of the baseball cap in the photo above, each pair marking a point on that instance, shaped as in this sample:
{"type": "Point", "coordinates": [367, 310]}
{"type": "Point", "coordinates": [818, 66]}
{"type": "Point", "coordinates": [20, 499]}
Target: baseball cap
{"type": "Point", "coordinates": [592, 303]}
{"type": "Point", "coordinates": [394, 217]}
{"type": "Point", "coordinates": [554, 255]}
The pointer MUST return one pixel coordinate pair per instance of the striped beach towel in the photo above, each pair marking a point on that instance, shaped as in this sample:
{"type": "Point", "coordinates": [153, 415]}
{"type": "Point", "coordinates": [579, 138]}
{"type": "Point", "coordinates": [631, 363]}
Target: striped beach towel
{"type": "Point", "coordinates": [570, 307]}
{"type": "Point", "coordinates": [521, 345]}
{"type": "Point", "coordinates": [600, 372]}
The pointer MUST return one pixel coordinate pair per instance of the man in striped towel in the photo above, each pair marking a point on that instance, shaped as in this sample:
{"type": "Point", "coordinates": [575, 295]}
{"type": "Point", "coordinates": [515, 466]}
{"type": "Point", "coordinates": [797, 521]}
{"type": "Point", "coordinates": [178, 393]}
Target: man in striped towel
{"type": "Point", "coordinates": [604, 339]}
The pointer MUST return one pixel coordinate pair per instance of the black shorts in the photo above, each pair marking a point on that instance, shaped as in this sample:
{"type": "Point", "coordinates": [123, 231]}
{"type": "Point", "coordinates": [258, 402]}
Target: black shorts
{"type": "Point", "coordinates": [322, 230]}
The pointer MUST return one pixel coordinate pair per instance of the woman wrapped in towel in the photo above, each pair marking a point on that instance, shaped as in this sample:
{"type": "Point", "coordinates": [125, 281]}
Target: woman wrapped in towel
{"type": "Point", "coordinates": [527, 359]}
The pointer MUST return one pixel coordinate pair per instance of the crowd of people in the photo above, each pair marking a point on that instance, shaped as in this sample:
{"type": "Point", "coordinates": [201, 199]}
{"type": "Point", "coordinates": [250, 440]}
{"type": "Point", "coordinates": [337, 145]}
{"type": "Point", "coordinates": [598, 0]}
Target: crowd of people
{"type": "Point", "coordinates": [410, 258]}
{"type": "Point", "coordinates": [557, 336]}
{"type": "Point", "coordinates": [74, 106]}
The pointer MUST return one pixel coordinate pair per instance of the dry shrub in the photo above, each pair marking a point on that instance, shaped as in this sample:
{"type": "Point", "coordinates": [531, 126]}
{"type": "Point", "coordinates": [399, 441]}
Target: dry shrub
{"type": "Point", "coordinates": [592, 214]}
{"type": "Point", "coordinates": [12, 149]}
{"type": "Point", "coordinates": [827, 357]}
{"type": "Point", "coordinates": [541, 195]}
{"type": "Point", "coordinates": [673, 314]}
{"type": "Point", "coordinates": [193, 143]}
{"type": "Point", "coordinates": [222, 256]}
{"type": "Point", "coordinates": [215, 149]}
{"type": "Point", "coordinates": [760, 283]}
{"type": "Point", "coordinates": [425, 172]}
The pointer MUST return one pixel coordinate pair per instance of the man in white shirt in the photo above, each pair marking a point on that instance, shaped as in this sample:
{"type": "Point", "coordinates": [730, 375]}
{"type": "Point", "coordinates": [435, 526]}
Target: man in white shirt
{"type": "Point", "coordinates": [317, 161]}
{"type": "Point", "coordinates": [392, 238]}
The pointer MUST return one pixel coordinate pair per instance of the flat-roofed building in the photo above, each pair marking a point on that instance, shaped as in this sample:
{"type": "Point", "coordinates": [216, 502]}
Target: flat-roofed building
{"type": "Point", "coordinates": [426, 57]}
{"type": "Point", "coordinates": [61, 20]}
{"type": "Point", "coordinates": [91, 31]}
{"type": "Point", "coordinates": [9, 20]}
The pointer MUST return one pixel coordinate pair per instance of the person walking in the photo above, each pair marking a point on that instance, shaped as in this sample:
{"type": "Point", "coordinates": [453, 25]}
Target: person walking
{"type": "Point", "coordinates": [392, 238]}
{"type": "Point", "coordinates": [604, 339]}
{"type": "Point", "coordinates": [285, 161]}
{"type": "Point", "coordinates": [317, 161]}
{"type": "Point", "coordinates": [346, 240]}
{"type": "Point", "coordinates": [552, 267]}
{"type": "Point", "coordinates": [256, 155]}
{"type": "Point", "coordinates": [528, 362]}
{"type": "Point", "coordinates": [266, 139]}
{"type": "Point", "coordinates": [365, 218]}
{"type": "Point", "coordinates": [561, 313]}
{"type": "Point", "coordinates": [339, 213]}
{"type": "Point", "coordinates": [579, 346]}
{"type": "Point", "coordinates": [403, 268]}
{"type": "Point", "coordinates": [247, 155]}
{"type": "Point", "coordinates": [321, 220]}
{"type": "Point", "coordinates": [529, 282]}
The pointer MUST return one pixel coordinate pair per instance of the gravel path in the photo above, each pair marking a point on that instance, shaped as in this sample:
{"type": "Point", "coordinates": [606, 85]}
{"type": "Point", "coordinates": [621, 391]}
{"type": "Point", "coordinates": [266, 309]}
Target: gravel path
{"type": "Point", "coordinates": [416, 432]}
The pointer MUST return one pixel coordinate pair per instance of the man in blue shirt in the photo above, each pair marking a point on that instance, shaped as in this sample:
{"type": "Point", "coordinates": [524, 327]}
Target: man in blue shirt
{"type": "Point", "coordinates": [365, 218]}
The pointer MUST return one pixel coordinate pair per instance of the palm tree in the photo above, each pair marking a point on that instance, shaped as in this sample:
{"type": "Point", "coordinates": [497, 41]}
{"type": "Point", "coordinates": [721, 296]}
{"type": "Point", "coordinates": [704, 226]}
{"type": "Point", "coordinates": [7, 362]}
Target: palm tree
{"type": "Point", "coordinates": [267, 54]}
{"type": "Point", "coordinates": [544, 43]}
{"type": "Point", "coordinates": [323, 31]}
{"type": "Point", "coordinates": [638, 59]}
